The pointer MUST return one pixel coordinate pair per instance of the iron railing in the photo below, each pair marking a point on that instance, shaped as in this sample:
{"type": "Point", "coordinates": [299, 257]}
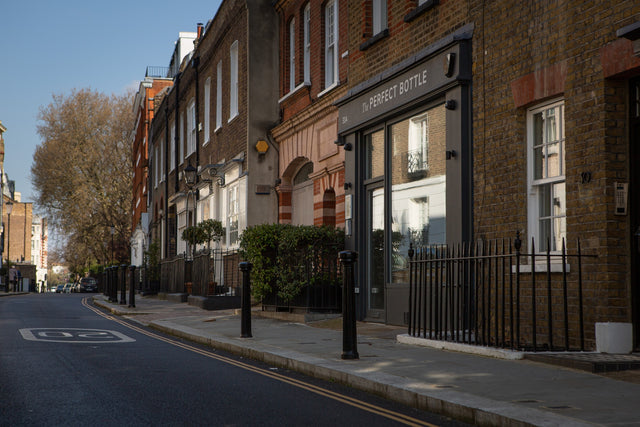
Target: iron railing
{"type": "Point", "coordinates": [485, 294]}
{"type": "Point", "coordinates": [216, 273]}
{"type": "Point", "coordinates": [156, 71]}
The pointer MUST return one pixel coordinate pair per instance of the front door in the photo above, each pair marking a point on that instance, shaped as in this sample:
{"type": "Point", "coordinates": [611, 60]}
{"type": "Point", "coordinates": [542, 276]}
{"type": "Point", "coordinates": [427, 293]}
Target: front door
{"type": "Point", "coordinates": [375, 252]}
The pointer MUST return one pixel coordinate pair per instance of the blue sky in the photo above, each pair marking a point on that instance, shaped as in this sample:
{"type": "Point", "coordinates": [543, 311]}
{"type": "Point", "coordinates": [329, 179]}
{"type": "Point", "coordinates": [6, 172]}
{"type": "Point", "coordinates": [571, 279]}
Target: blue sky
{"type": "Point", "coordinates": [51, 47]}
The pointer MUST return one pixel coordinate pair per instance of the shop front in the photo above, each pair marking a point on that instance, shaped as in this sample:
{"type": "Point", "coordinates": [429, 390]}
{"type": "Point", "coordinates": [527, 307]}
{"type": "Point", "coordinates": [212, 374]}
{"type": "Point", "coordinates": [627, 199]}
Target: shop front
{"type": "Point", "coordinates": [407, 140]}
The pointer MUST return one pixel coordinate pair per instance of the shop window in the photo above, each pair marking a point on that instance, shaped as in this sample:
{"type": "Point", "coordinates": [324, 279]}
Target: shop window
{"type": "Point", "coordinates": [546, 175]}
{"type": "Point", "coordinates": [418, 186]}
{"type": "Point", "coordinates": [374, 147]}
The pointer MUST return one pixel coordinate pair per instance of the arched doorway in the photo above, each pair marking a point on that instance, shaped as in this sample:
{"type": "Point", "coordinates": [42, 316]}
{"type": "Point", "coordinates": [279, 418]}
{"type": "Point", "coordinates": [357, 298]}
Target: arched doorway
{"type": "Point", "coordinates": [302, 196]}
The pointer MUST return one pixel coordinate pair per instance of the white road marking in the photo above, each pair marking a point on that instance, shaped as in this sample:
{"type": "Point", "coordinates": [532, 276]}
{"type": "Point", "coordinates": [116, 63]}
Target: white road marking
{"type": "Point", "coordinates": [74, 335]}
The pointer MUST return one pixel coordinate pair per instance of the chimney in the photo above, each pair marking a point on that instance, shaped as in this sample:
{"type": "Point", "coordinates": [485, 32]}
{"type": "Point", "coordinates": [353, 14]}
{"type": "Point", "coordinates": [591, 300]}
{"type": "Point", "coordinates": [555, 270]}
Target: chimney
{"type": "Point", "coordinates": [200, 28]}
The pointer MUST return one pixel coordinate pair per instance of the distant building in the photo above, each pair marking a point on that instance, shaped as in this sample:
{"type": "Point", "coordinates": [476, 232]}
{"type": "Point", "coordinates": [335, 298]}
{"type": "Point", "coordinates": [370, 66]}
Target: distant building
{"type": "Point", "coordinates": [17, 221]}
{"type": "Point", "coordinates": [149, 92]}
{"type": "Point", "coordinates": [39, 249]}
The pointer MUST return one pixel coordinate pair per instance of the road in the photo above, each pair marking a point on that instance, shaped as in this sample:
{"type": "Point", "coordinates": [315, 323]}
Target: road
{"type": "Point", "coordinates": [64, 362]}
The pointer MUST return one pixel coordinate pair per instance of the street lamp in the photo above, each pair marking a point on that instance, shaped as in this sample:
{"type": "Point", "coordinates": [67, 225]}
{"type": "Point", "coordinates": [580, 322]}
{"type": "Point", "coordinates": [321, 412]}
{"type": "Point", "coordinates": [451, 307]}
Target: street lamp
{"type": "Point", "coordinates": [9, 209]}
{"type": "Point", "coordinates": [190, 175]}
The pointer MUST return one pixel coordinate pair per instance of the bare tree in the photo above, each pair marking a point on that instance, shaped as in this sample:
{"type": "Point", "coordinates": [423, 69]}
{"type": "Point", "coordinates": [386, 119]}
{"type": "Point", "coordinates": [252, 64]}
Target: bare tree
{"type": "Point", "coordinates": [82, 173]}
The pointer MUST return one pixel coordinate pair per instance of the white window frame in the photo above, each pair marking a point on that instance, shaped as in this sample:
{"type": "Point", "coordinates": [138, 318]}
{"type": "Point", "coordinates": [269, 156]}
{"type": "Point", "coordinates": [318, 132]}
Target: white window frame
{"type": "Point", "coordinates": [161, 159]}
{"type": "Point", "coordinates": [536, 185]}
{"type": "Point", "coordinates": [191, 127]}
{"type": "Point", "coordinates": [219, 95]}
{"type": "Point", "coordinates": [154, 160]}
{"type": "Point", "coordinates": [307, 44]}
{"type": "Point", "coordinates": [172, 146]}
{"type": "Point", "coordinates": [331, 44]}
{"type": "Point", "coordinates": [207, 111]}
{"type": "Point", "coordinates": [292, 54]}
{"type": "Point", "coordinates": [181, 138]}
{"type": "Point", "coordinates": [232, 214]}
{"type": "Point", "coordinates": [233, 80]}
{"type": "Point", "coordinates": [378, 16]}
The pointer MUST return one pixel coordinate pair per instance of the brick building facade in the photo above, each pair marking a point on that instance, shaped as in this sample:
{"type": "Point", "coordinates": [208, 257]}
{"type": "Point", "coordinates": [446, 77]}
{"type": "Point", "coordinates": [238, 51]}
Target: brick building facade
{"type": "Point", "coordinates": [143, 111]}
{"type": "Point", "coordinates": [554, 109]}
{"type": "Point", "coordinates": [543, 145]}
{"type": "Point", "coordinates": [313, 75]}
{"type": "Point", "coordinates": [17, 227]}
{"type": "Point", "coordinates": [219, 110]}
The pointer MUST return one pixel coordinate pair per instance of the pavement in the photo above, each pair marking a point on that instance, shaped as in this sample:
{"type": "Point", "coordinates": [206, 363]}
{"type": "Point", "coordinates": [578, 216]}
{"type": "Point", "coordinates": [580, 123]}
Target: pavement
{"type": "Point", "coordinates": [478, 385]}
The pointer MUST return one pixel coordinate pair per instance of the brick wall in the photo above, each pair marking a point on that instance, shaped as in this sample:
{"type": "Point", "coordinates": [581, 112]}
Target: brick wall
{"type": "Point", "coordinates": [514, 42]}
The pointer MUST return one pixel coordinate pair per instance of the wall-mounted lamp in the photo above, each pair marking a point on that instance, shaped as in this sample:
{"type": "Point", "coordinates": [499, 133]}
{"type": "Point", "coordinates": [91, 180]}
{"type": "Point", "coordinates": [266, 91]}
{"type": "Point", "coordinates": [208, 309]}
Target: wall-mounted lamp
{"type": "Point", "coordinates": [341, 143]}
{"type": "Point", "coordinates": [262, 147]}
{"type": "Point", "coordinates": [347, 185]}
{"type": "Point", "coordinates": [450, 104]}
{"type": "Point", "coordinates": [449, 154]}
{"type": "Point", "coordinates": [190, 174]}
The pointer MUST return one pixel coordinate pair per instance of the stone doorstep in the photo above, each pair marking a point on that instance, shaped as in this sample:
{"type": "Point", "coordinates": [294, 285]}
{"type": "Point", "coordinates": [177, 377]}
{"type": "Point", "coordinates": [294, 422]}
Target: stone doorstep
{"type": "Point", "coordinates": [214, 302]}
{"type": "Point", "coordinates": [590, 362]}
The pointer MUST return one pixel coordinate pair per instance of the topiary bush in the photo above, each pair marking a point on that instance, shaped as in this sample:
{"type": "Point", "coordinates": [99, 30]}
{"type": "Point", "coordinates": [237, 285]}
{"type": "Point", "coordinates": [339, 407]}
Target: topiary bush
{"type": "Point", "coordinates": [286, 258]}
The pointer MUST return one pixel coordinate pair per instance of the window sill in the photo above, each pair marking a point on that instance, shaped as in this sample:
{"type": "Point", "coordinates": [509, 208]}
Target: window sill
{"type": "Point", "coordinates": [375, 39]}
{"type": "Point", "coordinates": [329, 89]}
{"type": "Point", "coordinates": [232, 117]}
{"type": "Point", "coordinates": [428, 5]}
{"type": "Point", "coordinates": [293, 91]}
{"type": "Point", "coordinates": [541, 268]}
{"type": "Point", "coordinates": [218, 129]}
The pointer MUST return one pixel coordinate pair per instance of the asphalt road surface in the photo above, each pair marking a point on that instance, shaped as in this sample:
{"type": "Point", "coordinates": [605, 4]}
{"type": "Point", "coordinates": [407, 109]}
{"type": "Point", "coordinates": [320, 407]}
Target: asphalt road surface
{"type": "Point", "coordinates": [65, 362]}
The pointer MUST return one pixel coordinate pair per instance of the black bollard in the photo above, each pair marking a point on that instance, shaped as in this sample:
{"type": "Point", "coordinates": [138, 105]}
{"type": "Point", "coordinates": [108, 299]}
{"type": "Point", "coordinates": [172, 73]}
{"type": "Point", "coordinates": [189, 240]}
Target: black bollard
{"type": "Point", "coordinates": [349, 334]}
{"type": "Point", "coordinates": [245, 320]}
{"type": "Point", "coordinates": [132, 282]}
{"type": "Point", "coordinates": [113, 296]}
{"type": "Point", "coordinates": [123, 284]}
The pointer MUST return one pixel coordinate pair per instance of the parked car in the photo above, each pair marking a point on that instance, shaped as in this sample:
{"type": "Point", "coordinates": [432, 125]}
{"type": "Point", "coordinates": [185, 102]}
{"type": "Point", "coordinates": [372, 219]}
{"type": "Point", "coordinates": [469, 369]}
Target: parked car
{"type": "Point", "coordinates": [68, 288]}
{"type": "Point", "coordinates": [88, 284]}
{"type": "Point", "coordinates": [59, 289]}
